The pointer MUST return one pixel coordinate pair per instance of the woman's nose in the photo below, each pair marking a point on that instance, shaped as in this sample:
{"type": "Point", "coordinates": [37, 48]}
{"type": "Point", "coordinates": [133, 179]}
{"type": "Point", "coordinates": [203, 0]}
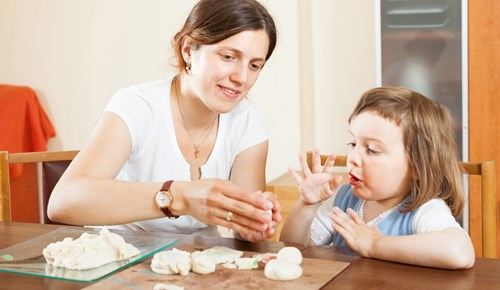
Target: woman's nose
{"type": "Point", "coordinates": [240, 74]}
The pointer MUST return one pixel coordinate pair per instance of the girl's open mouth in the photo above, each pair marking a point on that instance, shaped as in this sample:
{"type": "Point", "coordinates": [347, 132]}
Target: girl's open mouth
{"type": "Point", "coordinates": [353, 180]}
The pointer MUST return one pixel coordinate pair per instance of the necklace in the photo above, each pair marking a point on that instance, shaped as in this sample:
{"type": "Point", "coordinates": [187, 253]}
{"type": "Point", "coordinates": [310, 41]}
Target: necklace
{"type": "Point", "coordinates": [196, 146]}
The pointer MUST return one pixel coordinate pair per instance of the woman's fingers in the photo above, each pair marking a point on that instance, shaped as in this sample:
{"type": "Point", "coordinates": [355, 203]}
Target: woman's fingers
{"type": "Point", "coordinates": [276, 210]}
{"type": "Point", "coordinates": [235, 193]}
{"type": "Point", "coordinates": [246, 232]}
{"type": "Point", "coordinates": [272, 197]}
{"type": "Point", "coordinates": [232, 217]}
{"type": "Point", "coordinates": [254, 206]}
{"type": "Point", "coordinates": [246, 210]}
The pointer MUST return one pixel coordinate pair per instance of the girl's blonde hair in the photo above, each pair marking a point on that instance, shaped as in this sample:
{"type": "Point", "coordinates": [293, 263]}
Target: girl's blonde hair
{"type": "Point", "coordinates": [429, 140]}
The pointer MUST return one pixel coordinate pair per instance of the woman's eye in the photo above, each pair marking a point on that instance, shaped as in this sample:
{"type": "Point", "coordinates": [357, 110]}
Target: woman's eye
{"type": "Point", "coordinates": [370, 151]}
{"type": "Point", "coordinates": [227, 57]}
{"type": "Point", "coordinates": [351, 145]}
{"type": "Point", "coordinates": [255, 67]}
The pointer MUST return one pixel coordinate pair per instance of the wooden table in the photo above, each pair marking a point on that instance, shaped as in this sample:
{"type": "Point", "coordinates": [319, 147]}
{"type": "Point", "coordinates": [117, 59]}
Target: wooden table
{"type": "Point", "coordinates": [361, 274]}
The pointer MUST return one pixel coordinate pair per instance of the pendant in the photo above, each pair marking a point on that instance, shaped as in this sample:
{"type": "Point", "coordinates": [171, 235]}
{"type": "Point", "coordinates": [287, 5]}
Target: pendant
{"type": "Point", "coordinates": [196, 151]}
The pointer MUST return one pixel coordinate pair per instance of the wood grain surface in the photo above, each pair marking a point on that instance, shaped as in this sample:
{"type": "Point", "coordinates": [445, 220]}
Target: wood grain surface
{"type": "Point", "coordinates": [316, 273]}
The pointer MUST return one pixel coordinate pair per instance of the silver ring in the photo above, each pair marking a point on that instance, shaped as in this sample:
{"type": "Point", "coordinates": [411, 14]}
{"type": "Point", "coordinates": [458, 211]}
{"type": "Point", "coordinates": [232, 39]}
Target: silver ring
{"type": "Point", "coordinates": [229, 216]}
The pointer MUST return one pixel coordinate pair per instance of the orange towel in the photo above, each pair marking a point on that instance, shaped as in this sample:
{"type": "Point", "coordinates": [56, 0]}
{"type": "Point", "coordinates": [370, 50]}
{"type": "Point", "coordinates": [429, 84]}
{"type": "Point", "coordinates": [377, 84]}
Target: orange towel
{"type": "Point", "coordinates": [24, 127]}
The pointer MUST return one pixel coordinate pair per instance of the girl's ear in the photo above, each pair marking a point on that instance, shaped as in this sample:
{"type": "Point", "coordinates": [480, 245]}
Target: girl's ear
{"type": "Point", "coordinates": [186, 48]}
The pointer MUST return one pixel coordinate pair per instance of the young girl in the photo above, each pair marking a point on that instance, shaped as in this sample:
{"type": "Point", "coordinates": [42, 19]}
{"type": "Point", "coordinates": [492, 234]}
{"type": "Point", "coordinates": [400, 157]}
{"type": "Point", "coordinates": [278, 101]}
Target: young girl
{"type": "Point", "coordinates": [183, 154]}
{"type": "Point", "coordinates": [404, 186]}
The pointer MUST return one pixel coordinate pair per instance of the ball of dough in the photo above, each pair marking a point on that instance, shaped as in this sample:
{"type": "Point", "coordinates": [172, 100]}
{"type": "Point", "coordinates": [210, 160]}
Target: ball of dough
{"type": "Point", "coordinates": [282, 270]}
{"type": "Point", "coordinates": [290, 254]}
{"type": "Point", "coordinates": [203, 264]}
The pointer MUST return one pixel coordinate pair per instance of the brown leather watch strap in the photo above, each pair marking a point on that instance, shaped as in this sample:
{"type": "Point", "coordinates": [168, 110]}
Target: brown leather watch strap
{"type": "Point", "coordinates": [166, 210]}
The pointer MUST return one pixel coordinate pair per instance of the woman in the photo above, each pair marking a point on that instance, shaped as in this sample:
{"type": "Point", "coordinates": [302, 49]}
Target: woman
{"type": "Point", "coordinates": [177, 154]}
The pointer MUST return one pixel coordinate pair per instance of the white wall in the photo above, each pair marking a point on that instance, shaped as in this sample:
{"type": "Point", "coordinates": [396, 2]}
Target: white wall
{"type": "Point", "coordinates": [343, 53]}
{"type": "Point", "coordinates": [77, 53]}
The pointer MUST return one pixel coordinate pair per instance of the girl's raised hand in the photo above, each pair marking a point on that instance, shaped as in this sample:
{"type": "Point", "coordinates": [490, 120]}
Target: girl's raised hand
{"type": "Point", "coordinates": [358, 236]}
{"type": "Point", "coordinates": [318, 184]}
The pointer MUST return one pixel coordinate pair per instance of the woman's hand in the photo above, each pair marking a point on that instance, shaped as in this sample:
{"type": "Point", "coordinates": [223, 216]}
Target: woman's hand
{"type": "Point", "coordinates": [212, 201]}
{"type": "Point", "coordinates": [275, 212]}
{"type": "Point", "coordinates": [319, 184]}
{"type": "Point", "coordinates": [358, 236]}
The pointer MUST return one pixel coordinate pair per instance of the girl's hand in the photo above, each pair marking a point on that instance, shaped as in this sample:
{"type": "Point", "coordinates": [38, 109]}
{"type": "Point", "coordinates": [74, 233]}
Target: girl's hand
{"type": "Point", "coordinates": [254, 215]}
{"type": "Point", "coordinates": [319, 184]}
{"type": "Point", "coordinates": [358, 236]}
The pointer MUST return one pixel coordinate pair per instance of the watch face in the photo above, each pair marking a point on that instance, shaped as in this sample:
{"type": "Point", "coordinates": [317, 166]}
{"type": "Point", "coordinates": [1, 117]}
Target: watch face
{"type": "Point", "coordinates": [162, 199]}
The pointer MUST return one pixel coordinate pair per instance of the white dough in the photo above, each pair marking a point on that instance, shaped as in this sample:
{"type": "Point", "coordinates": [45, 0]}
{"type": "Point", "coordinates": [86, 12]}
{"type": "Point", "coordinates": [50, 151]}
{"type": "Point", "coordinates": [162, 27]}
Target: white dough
{"type": "Point", "coordinates": [203, 263]}
{"type": "Point", "coordinates": [290, 254]}
{"type": "Point", "coordinates": [229, 266]}
{"type": "Point", "coordinates": [171, 262]}
{"type": "Point", "coordinates": [282, 270]}
{"type": "Point", "coordinates": [161, 286]}
{"type": "Point", "coordinates": [223, 254]}
{"type": "Point", "coordinates": [286, 266]}
{"type": "Point", "coordinates": [246, 263]}
{"type": "Point", "coordinates": [89, 251]}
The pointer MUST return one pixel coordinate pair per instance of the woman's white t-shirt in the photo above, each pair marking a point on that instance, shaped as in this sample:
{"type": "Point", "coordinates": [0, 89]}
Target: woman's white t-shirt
{"type": "Point", "coordinates": [156, 156]}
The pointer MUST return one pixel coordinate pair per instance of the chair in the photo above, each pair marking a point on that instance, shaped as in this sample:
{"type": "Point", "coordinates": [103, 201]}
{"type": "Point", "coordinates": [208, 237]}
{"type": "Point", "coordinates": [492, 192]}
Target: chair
{"type": "Point", "coordinates": [486, 200]}
{"type": "Point", "coordinates": [53, 166]}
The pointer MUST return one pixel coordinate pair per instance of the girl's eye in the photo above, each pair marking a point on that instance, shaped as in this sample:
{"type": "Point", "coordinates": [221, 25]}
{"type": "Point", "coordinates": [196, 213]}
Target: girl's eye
{"type": "Point", "coordinates": [351, 145]}
{"type": "Point", "coordinates": [370, 151]}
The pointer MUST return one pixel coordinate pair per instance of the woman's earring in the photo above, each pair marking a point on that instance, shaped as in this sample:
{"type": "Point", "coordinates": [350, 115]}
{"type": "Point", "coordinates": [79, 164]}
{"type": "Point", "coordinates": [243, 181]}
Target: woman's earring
{"type": "Point", "coordinates": [188, 66]}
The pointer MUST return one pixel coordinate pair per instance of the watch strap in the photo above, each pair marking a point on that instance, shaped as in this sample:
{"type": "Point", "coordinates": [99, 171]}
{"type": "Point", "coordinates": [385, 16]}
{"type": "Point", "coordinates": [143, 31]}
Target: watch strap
{"type": "Point", "coordinates": [166, 210]}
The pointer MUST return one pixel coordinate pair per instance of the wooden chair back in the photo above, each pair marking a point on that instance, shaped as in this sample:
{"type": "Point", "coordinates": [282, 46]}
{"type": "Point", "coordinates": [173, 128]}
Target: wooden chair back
{"type": "Point", "coordinates": [487, 197]}
{"type": "Point", "coordinates": [54, 163]}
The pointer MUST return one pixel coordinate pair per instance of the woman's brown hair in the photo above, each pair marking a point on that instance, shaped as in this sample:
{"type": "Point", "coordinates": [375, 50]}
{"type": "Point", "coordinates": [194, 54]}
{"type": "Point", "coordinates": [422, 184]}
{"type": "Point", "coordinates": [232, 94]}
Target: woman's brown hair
{"type": "Point", "coordinates": [212, 21]}
{"type": "Point", "coordinates": [429, 140]}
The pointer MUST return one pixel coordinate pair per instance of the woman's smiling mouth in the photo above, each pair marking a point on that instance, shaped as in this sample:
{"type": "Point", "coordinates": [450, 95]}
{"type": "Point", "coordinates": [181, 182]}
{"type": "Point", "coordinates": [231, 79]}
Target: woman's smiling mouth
{"type": "Point", "coordinates": [229, 93]}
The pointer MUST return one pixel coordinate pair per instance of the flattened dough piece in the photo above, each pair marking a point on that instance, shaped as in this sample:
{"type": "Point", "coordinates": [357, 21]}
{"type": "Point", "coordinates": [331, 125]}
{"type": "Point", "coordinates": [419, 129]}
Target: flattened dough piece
{"type": "Point", "coordinates": [247, 263]}
{"type": "Point", "coordinates": [171, 262]}
{"type": "Point", "coordinates": [223, 254]}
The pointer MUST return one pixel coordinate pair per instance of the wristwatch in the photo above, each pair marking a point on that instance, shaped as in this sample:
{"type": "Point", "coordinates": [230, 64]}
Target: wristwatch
{"type": "Point", "coordinates": [164, 200]}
